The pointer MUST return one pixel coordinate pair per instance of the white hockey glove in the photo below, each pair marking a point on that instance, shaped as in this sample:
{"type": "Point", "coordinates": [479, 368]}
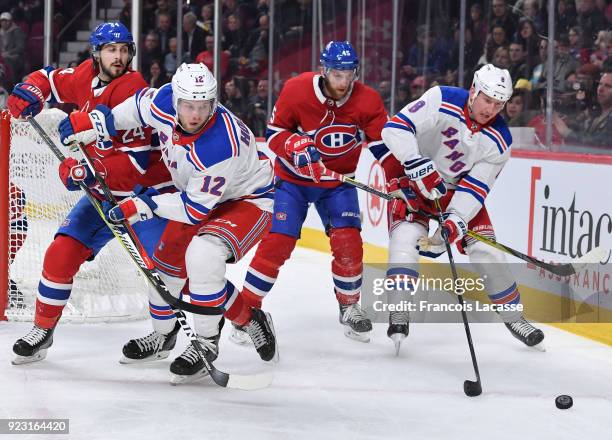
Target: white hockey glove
{"type": "Point", "coordinates": [455, 229]}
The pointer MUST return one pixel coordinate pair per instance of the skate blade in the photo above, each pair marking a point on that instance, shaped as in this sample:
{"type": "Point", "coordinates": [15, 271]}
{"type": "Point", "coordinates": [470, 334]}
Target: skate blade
{"type": "Point", "coordinates": [397, 339]}
{"type": "Point", "coordinates": [161, 355]}
{"type": "Point", "coordinates": [21, 360]}
{"type": "Point", "coordinates": [361, 337]}
{"type": "Point", "coordinates": [240, 338]}
{"type": "Point", "coordinates": [276, 357]}
{"type": "Point", "coordinates": [177, 379]}
{"type": "Point", "coordinates": [539, 347]}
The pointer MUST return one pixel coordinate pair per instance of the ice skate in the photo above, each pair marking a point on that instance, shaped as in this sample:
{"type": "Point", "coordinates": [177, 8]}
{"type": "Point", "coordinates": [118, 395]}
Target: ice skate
{"type": "Point", "coordinates": [149, 348]}
{"type": "Point", "coordinates": [356, 324]}
{"type": "Point", "coordinates": [261, 331]}
{"type": "Point", "coordinates": [527, 333]}
{"type": "Point", "coordinates": [398, 328]}
{"type": "Point", "coordinates": [33, 346]}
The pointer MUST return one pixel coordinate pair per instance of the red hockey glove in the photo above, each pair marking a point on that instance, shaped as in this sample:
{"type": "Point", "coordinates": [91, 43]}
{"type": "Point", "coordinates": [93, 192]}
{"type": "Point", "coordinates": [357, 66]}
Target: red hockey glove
{"type": "Point", "coordinates": [305, 156]}
{"type": "Point", "coordinates": [25, 100]}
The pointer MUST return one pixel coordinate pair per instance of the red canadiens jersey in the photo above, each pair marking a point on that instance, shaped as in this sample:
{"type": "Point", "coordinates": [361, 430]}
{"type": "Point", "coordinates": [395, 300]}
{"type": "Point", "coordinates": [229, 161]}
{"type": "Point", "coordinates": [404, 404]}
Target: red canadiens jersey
{"type": "Point", "coordinates": [131, 160]}
{"type": "Point", "coordinates": [336, 127]}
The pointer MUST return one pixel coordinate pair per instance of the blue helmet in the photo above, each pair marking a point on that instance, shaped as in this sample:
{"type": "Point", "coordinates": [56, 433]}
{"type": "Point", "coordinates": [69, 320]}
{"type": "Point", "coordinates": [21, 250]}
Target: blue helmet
{"type": "Point", "coordinates": [107, 33]}
{"type": "Point", "coordinates": [339, 55]}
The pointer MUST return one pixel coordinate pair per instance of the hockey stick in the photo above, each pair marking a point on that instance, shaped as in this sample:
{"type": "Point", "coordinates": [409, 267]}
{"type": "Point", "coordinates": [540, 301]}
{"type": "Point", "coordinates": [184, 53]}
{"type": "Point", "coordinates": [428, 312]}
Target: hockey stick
{"type": "Point", "coordinates": [132, 245]}
{"type": "Point", "coordinates": [470, 388]}
{"type": "Point", "coordinates": [594, 256]}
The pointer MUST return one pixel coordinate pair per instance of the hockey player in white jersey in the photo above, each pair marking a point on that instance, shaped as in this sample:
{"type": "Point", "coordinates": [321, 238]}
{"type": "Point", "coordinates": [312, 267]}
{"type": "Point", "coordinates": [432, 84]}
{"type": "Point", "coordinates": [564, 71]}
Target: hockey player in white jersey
{"type": "Point", "coordinates": [452, 143]}
{"type": "Point", "coordinates": [222, 209]}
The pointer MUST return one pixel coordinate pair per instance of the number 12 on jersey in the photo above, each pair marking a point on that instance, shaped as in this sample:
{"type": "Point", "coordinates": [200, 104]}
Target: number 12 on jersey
{"type": "Point", "coordinates": [218, 182]}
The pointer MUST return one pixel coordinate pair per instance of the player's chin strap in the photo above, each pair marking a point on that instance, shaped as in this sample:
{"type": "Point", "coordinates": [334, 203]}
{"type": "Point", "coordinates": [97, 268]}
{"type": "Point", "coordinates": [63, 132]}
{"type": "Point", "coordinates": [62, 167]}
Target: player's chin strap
{"type": "Point", "coordinates": [126, 236]}
{"type": "Point", "coordinates": [594, 256]}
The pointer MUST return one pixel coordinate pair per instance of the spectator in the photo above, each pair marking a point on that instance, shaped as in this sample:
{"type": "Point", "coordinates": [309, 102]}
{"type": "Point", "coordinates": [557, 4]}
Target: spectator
{"type": "Point", "coordinates": [530, 40]}
{"type": "Point", "coordinates": [235, 101]}
{"type": "Point", "coordinates": [518, 66]}
{"type": "Point", "coordinates": [229, 7]}
{"type": "Point", "coordinates": [255, 51]}
{"type": "Point", "coordinates": [12, 45]}
{"type": "Point", "coordinates": [576, 49]}
{"type": "Point", "coordinates": [428, 50]}
{"type": "Point", "coordinates": [157, 76]}
{"type": "Point", "coordinates": [166, 7]}
{"type": "Point", "coordinates": [564, 63]}
{"type": "Point", "coordinates": [539, 72]}
{"type": "Point", "coordinates": [193, 37]}
{"type": "Point", "coordinates": [501, 58]}
{"type": "Point", "coordinates": [598, 130]}
{"type": "Point", "coordinates": [591, 21]}
{"type": "Point", "coordinates": [477, 24]}
{"type": "Point", "coordinates": [601, 49]}
{"type": "Point", "coordinates": [125, 16]}
{"type": "Point", "coordinates": [531, 11]}
{"type": "Point", "coordinates": [496, 39]}
{"type": "Point", "coordinates": [402, 97]}
{"type": "Point", "coordinates": [473, 50]}
{"type": "Point", "coordinates": [150, 51]}
{"type": "Point", "coordinates": [208, 57]}
{"type": "Point", "coordinates": [384, 90]}
{"type": "Point", "coordinates": [206, 21]}
{"type": "Point", "coordinates": [235, 36]}
{"type": "Point", "coordinates": [258, 109]}
{"type": "Point", "coordinates": [170, 58]}
{"type": "Point", "coordinates": [516, 112]}
{"type": "Point", "coordinates": [165, 31]}
{"type": "Point", "coordinates": [417, 87]}
{"type": "Point", "coordinates": [502, 17]}
{"type": "Point", "coordinates": [566, 17]}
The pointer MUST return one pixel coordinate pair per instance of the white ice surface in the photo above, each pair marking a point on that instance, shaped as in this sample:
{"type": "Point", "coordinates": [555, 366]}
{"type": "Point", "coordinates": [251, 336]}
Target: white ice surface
{"type": "Point", "coordinates": [325, 386]}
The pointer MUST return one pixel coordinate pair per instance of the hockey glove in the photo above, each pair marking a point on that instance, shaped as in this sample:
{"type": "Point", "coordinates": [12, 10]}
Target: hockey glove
{"type": "Point", "coordinates": [101, 120]}
{"type": "Point", "coordinates": [26, 100]}
{"type": "Point", "coordinates": [139, 207]}
{"type": "Point", "coordinates": [425, 179]}
{"type": "Point", "coordinates": [454, 227]}
{"type": "Point", "coordinates": [72, 171]}
{"type": "Point", "coordinates": [305, 156]}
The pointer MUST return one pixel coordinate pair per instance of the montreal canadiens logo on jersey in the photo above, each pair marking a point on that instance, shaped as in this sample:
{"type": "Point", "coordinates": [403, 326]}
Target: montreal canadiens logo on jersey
{"type": "Point", "coordinates": [336, 139]}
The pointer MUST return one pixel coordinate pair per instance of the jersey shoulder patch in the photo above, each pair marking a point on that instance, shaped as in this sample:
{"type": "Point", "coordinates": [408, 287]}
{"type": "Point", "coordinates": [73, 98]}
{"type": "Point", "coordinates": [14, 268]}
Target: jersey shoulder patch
{"type": "Point", "coordinates": [161, 106]}
{"type": "Point", "coordinates": [217, 143]}
{"type": "Point", "coordinates": [454, 96]}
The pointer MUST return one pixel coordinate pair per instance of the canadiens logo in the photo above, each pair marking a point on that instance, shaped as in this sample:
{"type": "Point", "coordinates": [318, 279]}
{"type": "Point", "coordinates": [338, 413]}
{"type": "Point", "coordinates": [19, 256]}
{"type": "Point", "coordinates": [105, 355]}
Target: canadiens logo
{"type": "Point", "coordinates": [282, 216]}
{"type": "Point", "coordinates": [337, 139]}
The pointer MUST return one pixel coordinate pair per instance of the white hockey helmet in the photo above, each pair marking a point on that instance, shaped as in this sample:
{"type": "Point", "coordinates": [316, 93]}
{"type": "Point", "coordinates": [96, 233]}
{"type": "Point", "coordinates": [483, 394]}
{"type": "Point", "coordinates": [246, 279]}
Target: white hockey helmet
{"type": "Point", "coordinates": [493, 82]}
{"type": "Point", "coordinates": [194, 82]}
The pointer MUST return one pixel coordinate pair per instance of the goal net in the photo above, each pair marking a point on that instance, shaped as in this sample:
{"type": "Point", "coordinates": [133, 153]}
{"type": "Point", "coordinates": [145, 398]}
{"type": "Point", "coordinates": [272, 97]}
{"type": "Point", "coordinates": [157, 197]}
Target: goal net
{"type": "Point", "coordinates": [34, 203]}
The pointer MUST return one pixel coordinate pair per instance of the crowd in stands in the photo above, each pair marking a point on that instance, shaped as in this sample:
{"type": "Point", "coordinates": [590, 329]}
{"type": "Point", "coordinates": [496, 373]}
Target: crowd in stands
{"type": "Point", "coordinates": [508, 33]}
{"type": "Point", "coordinates": [514, 35]}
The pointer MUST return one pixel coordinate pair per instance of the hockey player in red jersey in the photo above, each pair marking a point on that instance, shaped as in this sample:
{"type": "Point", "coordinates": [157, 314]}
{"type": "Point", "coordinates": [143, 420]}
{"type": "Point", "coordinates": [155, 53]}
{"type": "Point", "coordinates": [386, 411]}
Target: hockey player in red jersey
{"type": "Point", "coordinates": [317, 123]}
{"type": "Point", "coordinates": [125, 161]}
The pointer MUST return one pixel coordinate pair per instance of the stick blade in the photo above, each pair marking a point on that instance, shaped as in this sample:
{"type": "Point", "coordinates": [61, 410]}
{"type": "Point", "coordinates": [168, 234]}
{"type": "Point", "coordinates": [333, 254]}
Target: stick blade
{"type": "Point", "coordinates": [250, 382]}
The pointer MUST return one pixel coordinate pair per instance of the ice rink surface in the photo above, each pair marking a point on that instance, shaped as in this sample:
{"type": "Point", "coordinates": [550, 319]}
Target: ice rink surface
{"type": "Point", "coordinates": [325, 386]}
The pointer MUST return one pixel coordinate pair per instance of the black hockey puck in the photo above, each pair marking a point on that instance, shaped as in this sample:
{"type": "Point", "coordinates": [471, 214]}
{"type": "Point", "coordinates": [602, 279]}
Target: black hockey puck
{"type": "Point", "coordinates": [564, 401]}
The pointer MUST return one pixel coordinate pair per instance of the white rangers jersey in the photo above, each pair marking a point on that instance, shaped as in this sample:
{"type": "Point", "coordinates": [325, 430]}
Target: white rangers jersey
{"type": "Point", "coordinates": [469, 156]}
{"type": "Point", "coordinates": [219, 163]}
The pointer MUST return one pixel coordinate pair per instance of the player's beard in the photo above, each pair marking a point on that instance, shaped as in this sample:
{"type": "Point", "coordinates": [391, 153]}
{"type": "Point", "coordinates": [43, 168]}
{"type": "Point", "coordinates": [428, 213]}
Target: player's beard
{"type": "Point", "coordinates": [109, 73]}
